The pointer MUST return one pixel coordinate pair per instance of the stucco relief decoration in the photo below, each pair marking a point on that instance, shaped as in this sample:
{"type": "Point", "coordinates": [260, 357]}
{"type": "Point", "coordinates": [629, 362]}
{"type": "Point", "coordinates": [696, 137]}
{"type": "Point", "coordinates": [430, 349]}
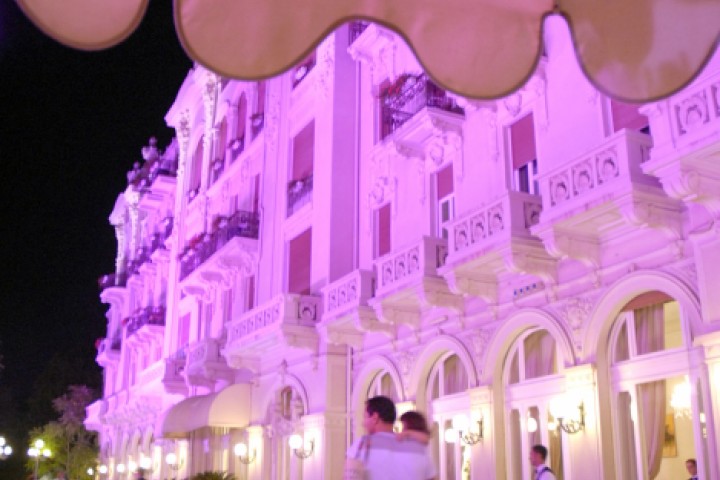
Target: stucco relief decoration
{"type": "Point", "coordinates": [307, 310]}
{"type": "Point", "coordinates": [606, 164]}
{"type": "Point", "coordinates": [616, 43]}
{"type": "Point", "coordinates": [513, 104]}
{"type": "Point", "coordinates": [559, 190]}
{"type": "Point", "coordinates": [531, 212]}
{"type": "Point", "coordinates": [497, 223]}
{"type": "Point", "coordinates": [692, 112]}
{"type": "Point", "coordinates": [479, 341]}
{"type": "Point", "coordinates": [575, 312]}
{"type": "Point", "coordinates": [405, 360]}
{"type": "Point", "coordinates": [582, 175]}
{"type": "Point", "coordinates": [325, 68]}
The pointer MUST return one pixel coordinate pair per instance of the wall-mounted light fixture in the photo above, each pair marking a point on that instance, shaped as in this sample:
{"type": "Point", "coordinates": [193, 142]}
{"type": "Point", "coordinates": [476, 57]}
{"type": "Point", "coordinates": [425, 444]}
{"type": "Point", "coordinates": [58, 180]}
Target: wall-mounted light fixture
{"type": "Point", "coordinates": [568, 414]}
{"type": "Point", "coordinates": [242, 452]}
{"type": "Point", "coordinates": [467, 432]}
{"type": "Point", "coordinates": [302, 448]}
{"type": "Point", "coordinates": [172, 461]}
{"type": "Point", "coordinates": [102, 469]}
{"type": "Point", "coordinates": [532, 425]}
{"type": "Point", "coordinates": [120, 468]}
{"type": "Point", "coordinates": [5, 449]}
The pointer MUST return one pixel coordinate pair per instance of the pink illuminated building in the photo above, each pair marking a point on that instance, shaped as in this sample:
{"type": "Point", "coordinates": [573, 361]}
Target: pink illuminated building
{"type": "Point", "coordinates": [536, 269]}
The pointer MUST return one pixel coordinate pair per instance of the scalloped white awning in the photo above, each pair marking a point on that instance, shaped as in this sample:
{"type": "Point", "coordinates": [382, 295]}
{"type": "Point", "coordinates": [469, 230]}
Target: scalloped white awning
{"type": "Point", "coordinates": [229, 408]}
{"type": "Point", "coordinates": [637, 50]}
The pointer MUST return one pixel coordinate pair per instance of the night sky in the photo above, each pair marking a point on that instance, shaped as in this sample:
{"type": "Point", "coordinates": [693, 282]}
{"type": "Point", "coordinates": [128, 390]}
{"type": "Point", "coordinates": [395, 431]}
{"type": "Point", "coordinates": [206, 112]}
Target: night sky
{"type": "Point", "coordinates": [71, 124]}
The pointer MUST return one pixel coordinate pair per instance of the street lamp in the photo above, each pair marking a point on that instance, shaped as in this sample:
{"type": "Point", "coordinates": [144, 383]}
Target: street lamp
{"type": "Point", "coordinates": [5, 449]}
{"type": "Point", "coordinates": [38, 451]}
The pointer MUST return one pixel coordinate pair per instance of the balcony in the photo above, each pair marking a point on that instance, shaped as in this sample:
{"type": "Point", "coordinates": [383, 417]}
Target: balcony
{"type": "Point", "coordinates": [108, 351]}
{"type": "Point", "coordinates": [217, 256]}
{"type": "Point", "coordinates": [95, 415]}
{"type": "Point", "coordinates": [148, 316]}
{"type": "Point", "coordinates": [411, 95]}
{"type": "Point", "coordinates": [112, 280]}
{"type": "Point", "coordinates": [286, 321]}
{"type": "Point", "coordinates": [142, 179]}
{"type": "Point", "coordinates": [205, 365]}
{"type": "Point", "coordinates": [600, 196]}
{"type": "Point", "coordinates": [299, 194]}
{"type": "Point", "coordinates": [688, 143]}
{"type": "Point", "coordinates": [163, 376]}
{"type": "Point", "coordinates": [492, 240]}
{"type": "Point", "coordinates": [347, 312]}
{"type": "Point", "coordinates": [408, 283]}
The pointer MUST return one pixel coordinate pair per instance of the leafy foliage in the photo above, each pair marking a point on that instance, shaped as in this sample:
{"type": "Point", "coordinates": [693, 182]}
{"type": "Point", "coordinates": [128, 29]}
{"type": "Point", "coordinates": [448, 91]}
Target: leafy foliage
{"type": "Point", "coordinates": [213, 476]}
{"type": "Point", "coordinates": [73, 447]}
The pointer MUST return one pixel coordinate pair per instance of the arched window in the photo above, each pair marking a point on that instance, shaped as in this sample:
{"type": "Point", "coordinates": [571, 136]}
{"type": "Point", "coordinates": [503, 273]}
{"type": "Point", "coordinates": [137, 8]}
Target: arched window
{"type": "Point", "coordinates": [531, 379]}
{"type": "Point", "coordinates": [448, 378]}
{"type": "Point", "coordinates": [384, 385]}
{"type": "Point", "coordinates": [658, 419]}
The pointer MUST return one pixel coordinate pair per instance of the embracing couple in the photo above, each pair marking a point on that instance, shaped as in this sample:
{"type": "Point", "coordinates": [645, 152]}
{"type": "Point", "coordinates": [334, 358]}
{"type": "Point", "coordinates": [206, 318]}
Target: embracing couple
{"type": "Point", "coordinates": [383, 455]}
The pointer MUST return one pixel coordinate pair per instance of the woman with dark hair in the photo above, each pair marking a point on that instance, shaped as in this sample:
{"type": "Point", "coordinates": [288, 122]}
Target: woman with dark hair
{"type": "Point", "coordinates": [414, 427]}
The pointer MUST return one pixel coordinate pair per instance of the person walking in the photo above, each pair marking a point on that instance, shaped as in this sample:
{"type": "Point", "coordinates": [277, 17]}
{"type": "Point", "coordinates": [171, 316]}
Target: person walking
{"type": "Point", "coordinates": [538, 457]}
{"type": "Point", "coordinates": [379, 455]}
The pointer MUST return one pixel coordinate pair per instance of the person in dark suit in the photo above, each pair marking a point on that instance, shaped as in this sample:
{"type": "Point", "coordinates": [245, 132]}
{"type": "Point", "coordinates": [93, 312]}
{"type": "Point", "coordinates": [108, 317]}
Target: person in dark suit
{"type": "Point", "coordinates": [691, 465]}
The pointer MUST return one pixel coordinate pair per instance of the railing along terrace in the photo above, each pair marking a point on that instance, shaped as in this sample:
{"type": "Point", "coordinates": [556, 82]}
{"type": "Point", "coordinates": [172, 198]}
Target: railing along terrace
{"type": "Point", "coordinates": [257, 122]}
{"type": "Point", "coordinates": [146, 316]}
{"type": "Point", "coordinates": [288, 308]}
{"type": "Point", "coordinates": [299, 193]}
{"type": "Point", "coordinates": [401, 267]}
{"type": "Point", "coordinates": [407, 96]}
{"type": "Point", "coordinates": [356, 29]}
{"type": "Point", "coordinates": [348, 292]}
{"type": "Point", "coordinates": [112, 280]}
{"type": "Point", "coordinates": [241, 224]}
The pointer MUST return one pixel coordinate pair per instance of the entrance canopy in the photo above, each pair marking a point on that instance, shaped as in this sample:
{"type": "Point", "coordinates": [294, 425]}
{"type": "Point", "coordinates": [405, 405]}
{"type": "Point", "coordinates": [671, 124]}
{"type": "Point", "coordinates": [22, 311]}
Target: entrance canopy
{"type": "Point", "coordinates": [229, 408]}
{"type": "Point", "coordinates": [637, 50]}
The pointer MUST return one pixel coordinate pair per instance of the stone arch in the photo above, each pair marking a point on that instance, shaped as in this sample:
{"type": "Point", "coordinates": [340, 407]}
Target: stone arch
{"type": "Point", "coordinates": [427, 358]}
{"type": "Point", "coordinates": [291, 381]}
{"type": "Point", "coordinates": [511, 328]}
{"type": "Point", "coordinates": [367, 373]}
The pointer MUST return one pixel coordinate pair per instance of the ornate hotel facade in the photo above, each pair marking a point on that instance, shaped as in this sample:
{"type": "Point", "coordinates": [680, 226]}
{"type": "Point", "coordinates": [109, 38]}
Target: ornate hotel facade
{"type": "Point", "coordinates": [542, 268]}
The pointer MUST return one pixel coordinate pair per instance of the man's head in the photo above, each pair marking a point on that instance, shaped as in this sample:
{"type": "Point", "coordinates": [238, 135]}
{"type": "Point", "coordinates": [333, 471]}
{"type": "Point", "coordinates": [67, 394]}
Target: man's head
{"type": "Point", "coordinates": [691, 465]}
{"type": "Point", "coordinates": [538, 455]}
{"type": "Point", "coordinates": [380, 415]}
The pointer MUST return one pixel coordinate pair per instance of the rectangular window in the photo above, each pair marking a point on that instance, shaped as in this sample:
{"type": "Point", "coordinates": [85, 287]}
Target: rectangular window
{"type": "Point", "coordinates": [303, 151]}
{"type": "Point", "coordinates": [445, 199]}
{"type": "Point", "coordinates": [383, 230]}
{"type": "Point", "coordinates": [300, 256]}
{"type": "Point", "coordinates": [524, 156]}
{"type": "Point", "coordinates": [250, 293]}
{"type": "Point", "coordinates": [627, 115]}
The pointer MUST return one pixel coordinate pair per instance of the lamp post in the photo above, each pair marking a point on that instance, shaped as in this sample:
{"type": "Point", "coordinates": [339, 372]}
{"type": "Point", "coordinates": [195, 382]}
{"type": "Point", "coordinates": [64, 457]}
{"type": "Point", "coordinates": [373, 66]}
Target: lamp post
{"type": "Point", "coordinates": [5, 449]}
{"type": "Point", "coordinates": [37, 451]}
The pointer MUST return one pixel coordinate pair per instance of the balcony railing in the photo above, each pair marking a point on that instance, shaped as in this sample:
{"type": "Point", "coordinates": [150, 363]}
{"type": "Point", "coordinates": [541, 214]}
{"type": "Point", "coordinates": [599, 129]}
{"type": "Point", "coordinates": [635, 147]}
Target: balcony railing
{"type": "Point", "coordinates": [513, 214]}
{"type": "Point", "coordinates": [299, 194]}
{"type": "Point", "coordinates": [591, 177]}
{"type": "Point", "coordinates": [240, 224]}
{"type": "Point", "coordinates": [349, 292]}
{"type": "Point", "coordinates": [146, 316]}
{"type": "Point", "coordinates": [356, 29]}
{"type": "Point", "coordinates": [142, 178]}
{"type": "Point", "coordinates": [404, 266]}
{"type": "Point", "coordinates": [257, 122]}
{"type": "Point", "coordinates": [287, 309]}
{"type": "Point", "coordinates": [695, 113]}
{"type": "Point", "coordinates": [112, 280]}
{"type": "Point", "coordinates": [407, 96]}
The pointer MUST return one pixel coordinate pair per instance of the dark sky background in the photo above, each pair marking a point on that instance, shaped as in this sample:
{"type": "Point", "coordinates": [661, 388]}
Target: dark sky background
{"type": "Point", "coordinates": [71, 124]}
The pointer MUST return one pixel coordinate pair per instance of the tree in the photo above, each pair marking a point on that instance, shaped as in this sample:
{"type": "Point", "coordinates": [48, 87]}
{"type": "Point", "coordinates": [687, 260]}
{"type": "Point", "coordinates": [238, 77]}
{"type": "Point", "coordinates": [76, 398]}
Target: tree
{"type": "Point", "coordinates": [74, 448]}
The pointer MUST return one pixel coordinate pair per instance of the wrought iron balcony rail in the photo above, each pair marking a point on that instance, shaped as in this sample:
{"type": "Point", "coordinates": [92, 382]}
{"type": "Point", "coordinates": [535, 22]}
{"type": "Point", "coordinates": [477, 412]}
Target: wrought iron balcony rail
{"type": "Point", "coordinates": [146, 316]}
{"type": "Point", "coordinates": [356, 29]}
{"type": "Point", "coordinates": [142, 178]}
{"type": "Point", "coordinates": [241, 224]}
{"type": "Point", "coordinates": [299, 193]}
{"type": "Point", "coordinates": [409, 95]}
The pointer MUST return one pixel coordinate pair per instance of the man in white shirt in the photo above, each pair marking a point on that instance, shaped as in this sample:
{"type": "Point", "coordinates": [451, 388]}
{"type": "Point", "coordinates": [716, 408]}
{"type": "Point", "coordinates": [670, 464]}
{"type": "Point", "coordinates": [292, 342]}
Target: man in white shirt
{"type": "Point", "coordinates": [538, 457]}
{"type": "Point", "coordinates": [383, 455]}
{"type": "Point", "coordinates": [691, 466]}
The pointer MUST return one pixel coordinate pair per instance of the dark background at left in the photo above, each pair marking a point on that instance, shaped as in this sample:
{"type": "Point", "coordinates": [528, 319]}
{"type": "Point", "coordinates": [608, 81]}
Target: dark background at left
{"type": "Point", "coordinates": [71, 124]}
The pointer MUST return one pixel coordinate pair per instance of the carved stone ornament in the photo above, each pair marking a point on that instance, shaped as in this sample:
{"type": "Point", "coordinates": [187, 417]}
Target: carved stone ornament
{"type": "Point", "coordinates": [325, 67]}
{"type": "Point", "coordinates": [692, 112]}
{"type": "Point", "coordinates": [575, 312]}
